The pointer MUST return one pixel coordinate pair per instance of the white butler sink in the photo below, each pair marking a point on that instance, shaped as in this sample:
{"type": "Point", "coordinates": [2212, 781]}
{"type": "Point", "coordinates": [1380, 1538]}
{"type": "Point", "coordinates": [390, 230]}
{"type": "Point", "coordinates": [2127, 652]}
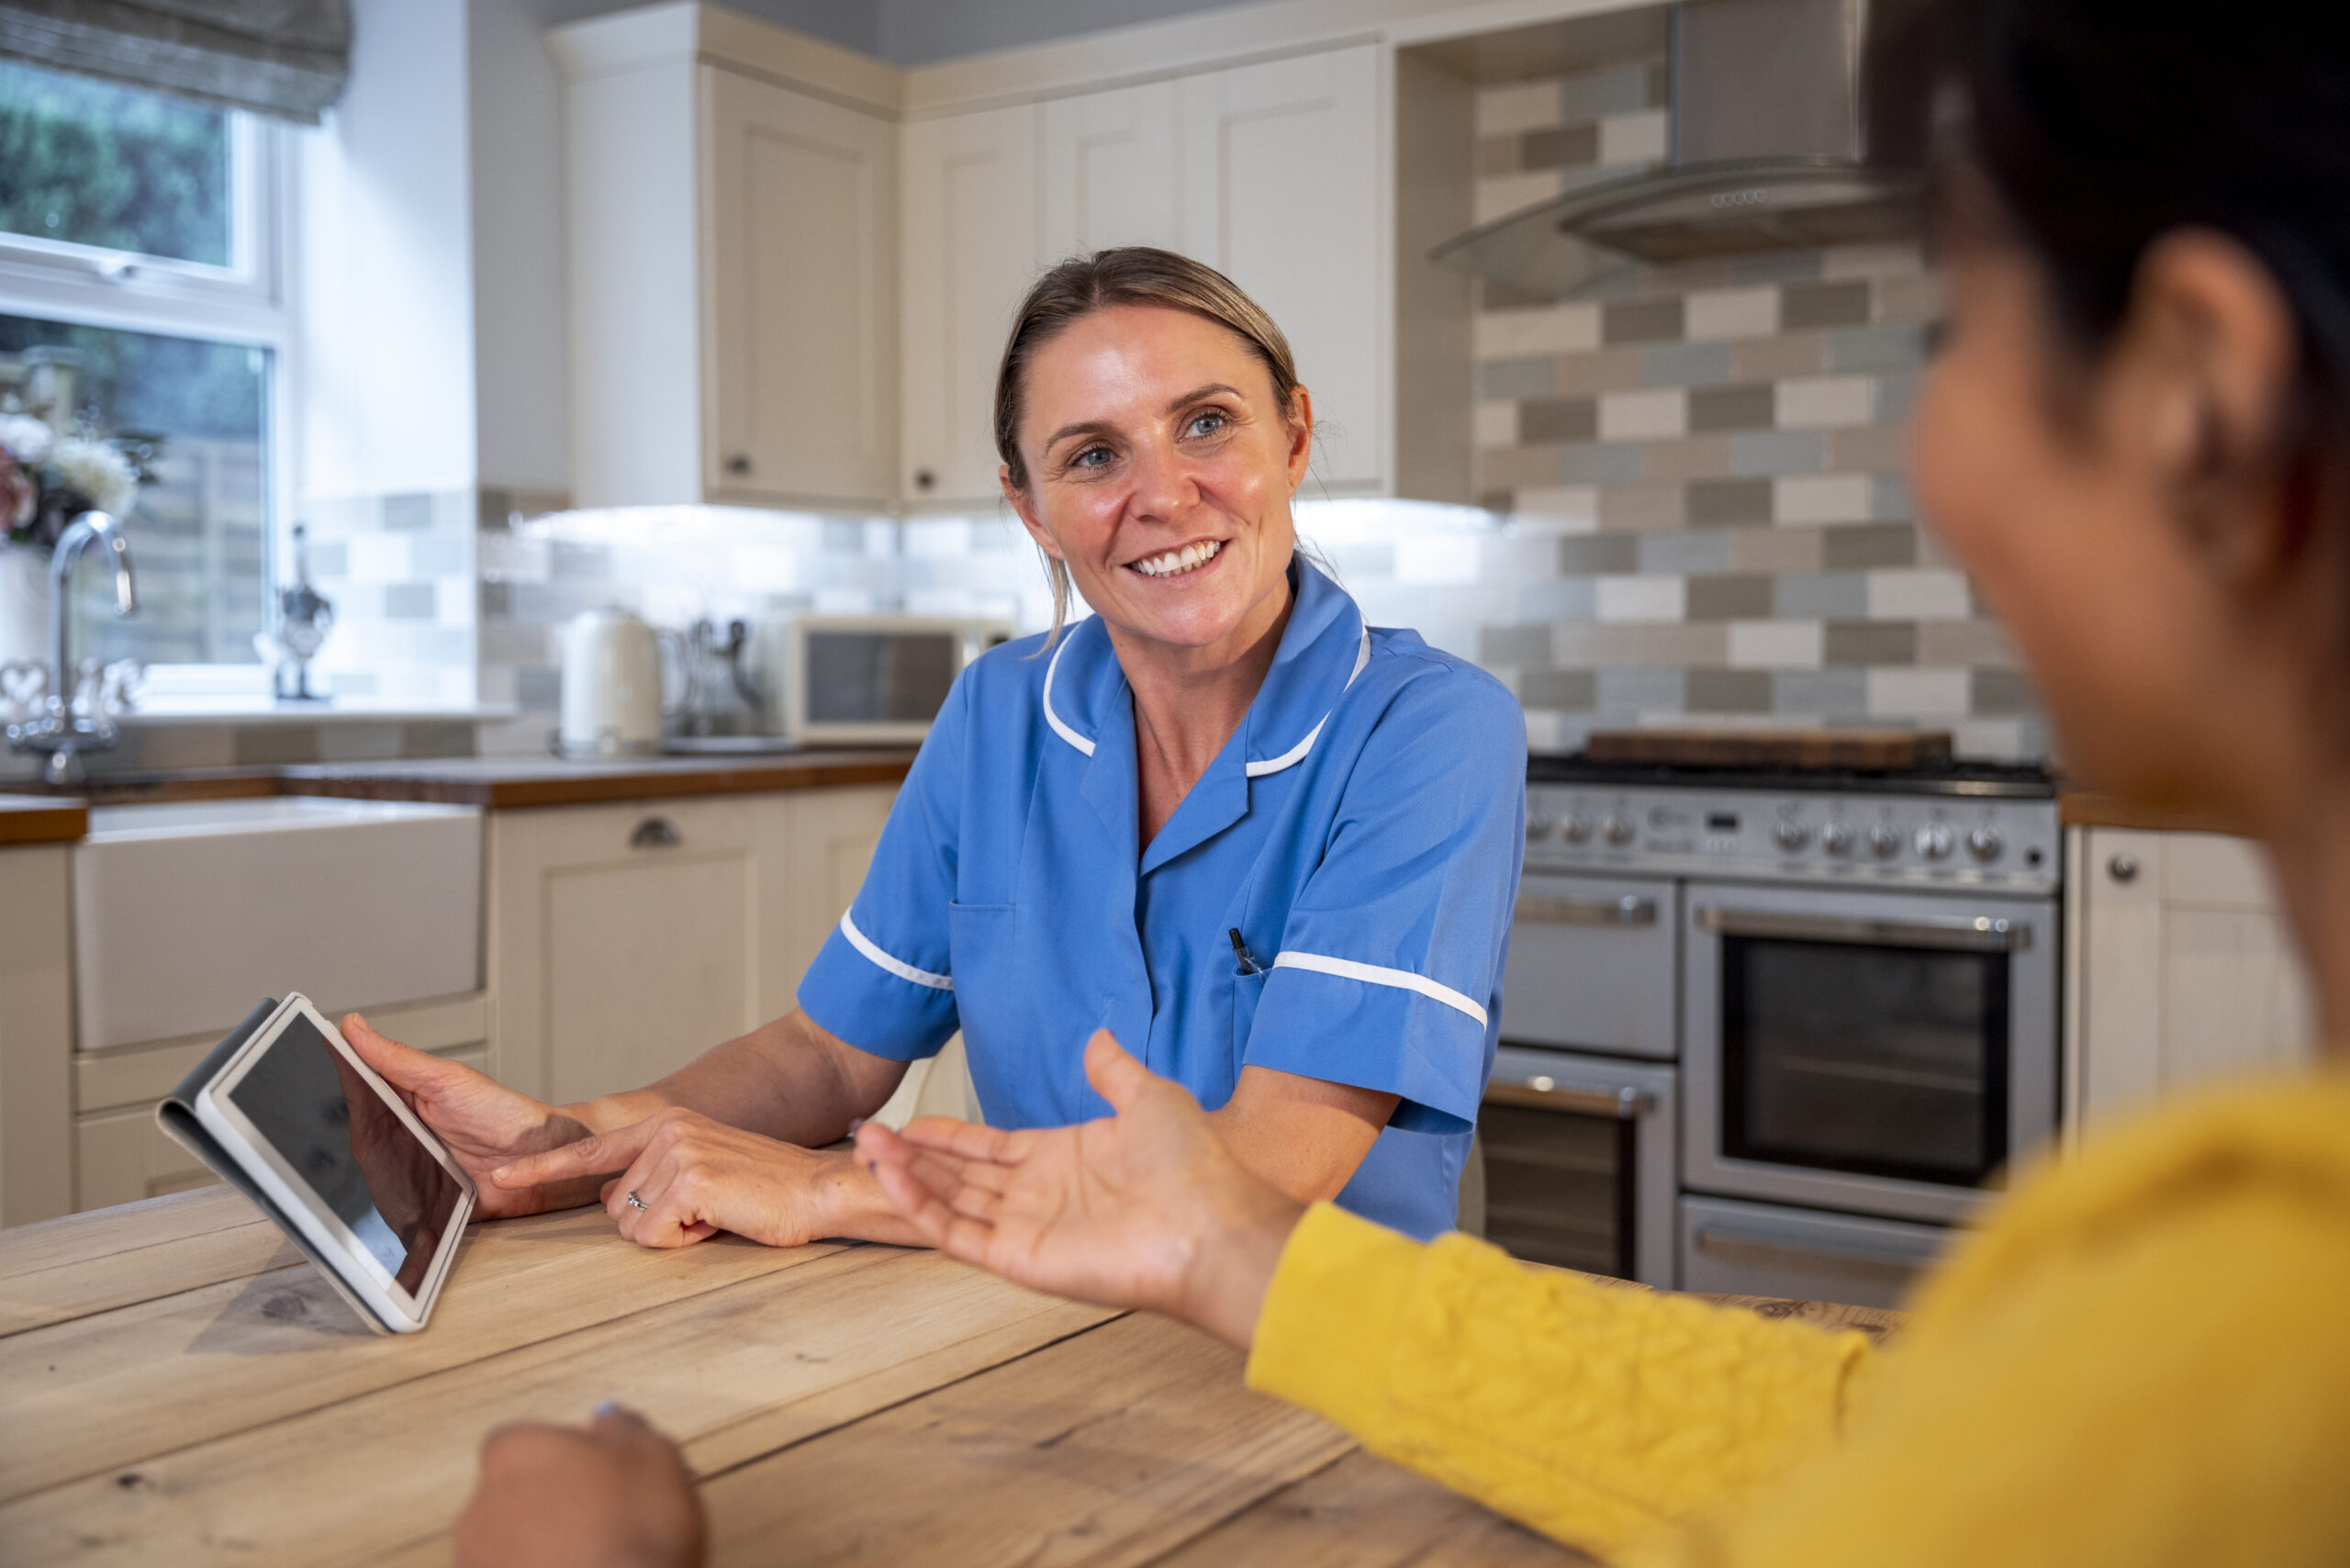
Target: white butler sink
{"type": "Point", "coordinates": [188, 913]}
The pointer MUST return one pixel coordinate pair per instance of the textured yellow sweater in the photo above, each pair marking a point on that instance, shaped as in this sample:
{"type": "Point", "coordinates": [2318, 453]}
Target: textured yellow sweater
{"type": "Point", "coordinates": [2142, 1357]}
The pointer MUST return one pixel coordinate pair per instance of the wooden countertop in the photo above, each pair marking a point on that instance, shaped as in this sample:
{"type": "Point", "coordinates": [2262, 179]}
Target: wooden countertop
{"type": "Point", "coordinates": [506, 783]}
{"type": "Point", "coordinates": [2086, 808]}
{"type": "Point", "coordinates": [41, 819]}
{"type": "Point", "coordinates": [177, 1387]}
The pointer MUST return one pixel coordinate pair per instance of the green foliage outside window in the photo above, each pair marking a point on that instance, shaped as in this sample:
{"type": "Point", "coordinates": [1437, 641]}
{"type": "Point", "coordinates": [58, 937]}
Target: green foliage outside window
{"type": "Point", "coordinates": [94, 164]}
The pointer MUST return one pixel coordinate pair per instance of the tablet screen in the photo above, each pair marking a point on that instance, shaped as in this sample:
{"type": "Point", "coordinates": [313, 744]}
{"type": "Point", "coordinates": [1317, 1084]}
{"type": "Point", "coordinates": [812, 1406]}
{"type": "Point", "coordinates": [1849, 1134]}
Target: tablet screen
{"type": "Point", "coordinates": [332, 1128]}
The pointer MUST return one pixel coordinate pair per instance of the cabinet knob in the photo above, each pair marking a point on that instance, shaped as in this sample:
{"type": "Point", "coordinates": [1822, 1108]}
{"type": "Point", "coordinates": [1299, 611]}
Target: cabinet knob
{"type": "Point", "coordinates": [654, 833]}
{"type": "Point", "coordinates": [2123, 868]}
{"type": "Point", "coordinates": [925, 479]}
{"type": "Point", "coordinates": [740, 463]}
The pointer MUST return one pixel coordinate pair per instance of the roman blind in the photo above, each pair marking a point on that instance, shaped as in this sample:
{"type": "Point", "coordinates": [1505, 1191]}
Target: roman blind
{"type": "Point", "coordinates": [287, 59]}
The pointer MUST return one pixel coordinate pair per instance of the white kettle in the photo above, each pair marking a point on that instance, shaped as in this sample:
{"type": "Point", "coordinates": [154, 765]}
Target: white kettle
{"type": "Point", "coordinates": [612, 684]}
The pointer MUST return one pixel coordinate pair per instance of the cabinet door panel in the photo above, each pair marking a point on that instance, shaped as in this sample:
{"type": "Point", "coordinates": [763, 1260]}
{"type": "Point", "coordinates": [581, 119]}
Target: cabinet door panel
{"type": "Point", "coordinates": [801, 267]}
{"type": "Point", "coordinates": [1110, 174]}
{"type": "Point", "coordinates": [1284, 190]}
{"type": "Point", "coordinates": [970, 226]}
{"type": "Point", "coordinates": [648, 966]}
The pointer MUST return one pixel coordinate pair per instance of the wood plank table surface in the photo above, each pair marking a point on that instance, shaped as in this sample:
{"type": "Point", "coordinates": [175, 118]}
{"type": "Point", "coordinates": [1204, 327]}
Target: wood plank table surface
{"type": "Point", "coordinates": [176, 1386]}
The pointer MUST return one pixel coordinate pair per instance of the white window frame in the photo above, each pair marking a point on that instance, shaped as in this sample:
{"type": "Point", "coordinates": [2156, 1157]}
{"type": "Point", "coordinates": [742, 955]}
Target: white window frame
{"type": "Point", "coordinates": [249, 302]}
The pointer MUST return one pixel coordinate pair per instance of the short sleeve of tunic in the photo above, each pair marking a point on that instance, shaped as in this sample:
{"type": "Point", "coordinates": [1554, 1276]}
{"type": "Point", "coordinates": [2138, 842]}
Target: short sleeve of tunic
{"type": "Point", "coordinates": [882, 981]}
{"type": "Point", "coordinates": [1390, 966]}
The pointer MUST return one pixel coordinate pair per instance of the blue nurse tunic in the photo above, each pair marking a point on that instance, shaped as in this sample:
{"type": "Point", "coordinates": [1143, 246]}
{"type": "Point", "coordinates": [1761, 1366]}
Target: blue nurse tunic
{"type": "Point", "coordinates": [1362, 831]}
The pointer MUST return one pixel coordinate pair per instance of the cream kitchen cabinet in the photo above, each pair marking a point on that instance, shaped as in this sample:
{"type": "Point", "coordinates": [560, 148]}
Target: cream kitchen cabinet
{"type": "Point", "coordinates": [36, 1034]}
{"type": "Point", "coordinates": [2181, 969]}
{"type": "Point", "coordinates": [732, 237]}
{"type": "Point", "coordinates": [1110, 176]}
{"type": "Point", "coordinates": [625, 940]}
{"type": "Point", "coordinates": [970, 216]}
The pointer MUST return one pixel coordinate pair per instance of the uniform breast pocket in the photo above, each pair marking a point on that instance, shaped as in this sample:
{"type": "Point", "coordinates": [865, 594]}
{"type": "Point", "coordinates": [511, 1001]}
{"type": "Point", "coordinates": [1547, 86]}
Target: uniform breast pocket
{"type": "Point", "coordinates": [1248, 989]}
{"type": "Point", "coordinates": [982, 945]}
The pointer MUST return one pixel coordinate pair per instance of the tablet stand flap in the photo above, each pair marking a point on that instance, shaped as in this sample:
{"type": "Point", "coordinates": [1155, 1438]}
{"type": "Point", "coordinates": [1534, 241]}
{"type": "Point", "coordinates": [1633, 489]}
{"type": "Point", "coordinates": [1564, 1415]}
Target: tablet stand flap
{"type": "Point", "coordinates": [176, 1115]}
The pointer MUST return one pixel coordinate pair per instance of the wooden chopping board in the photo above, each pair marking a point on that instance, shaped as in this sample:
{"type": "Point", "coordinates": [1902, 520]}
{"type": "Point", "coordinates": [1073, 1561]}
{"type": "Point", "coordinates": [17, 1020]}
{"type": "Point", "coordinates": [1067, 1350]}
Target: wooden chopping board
{"type": "Point", "coordinates": [1826, 751]}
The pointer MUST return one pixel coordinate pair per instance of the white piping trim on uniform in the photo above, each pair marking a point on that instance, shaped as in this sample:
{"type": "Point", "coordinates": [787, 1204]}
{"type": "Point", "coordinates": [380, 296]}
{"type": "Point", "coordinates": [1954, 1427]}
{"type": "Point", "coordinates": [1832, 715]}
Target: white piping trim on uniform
{"type": "Point", "coordinates": [904, 971]}
{"type": "Point", "coordinates": [1296, 754]}
{"type": "Point", "coordinates": [1079, 741]}
{"type": "Point", "coordinates": [1372, 974]}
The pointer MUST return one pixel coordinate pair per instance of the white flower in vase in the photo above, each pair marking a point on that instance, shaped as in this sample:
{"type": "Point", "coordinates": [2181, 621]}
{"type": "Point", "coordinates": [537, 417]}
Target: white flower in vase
{"type": "Point", "coordinates": [24, 438]}
{"type": "Point", "coordinates": [97, 471]}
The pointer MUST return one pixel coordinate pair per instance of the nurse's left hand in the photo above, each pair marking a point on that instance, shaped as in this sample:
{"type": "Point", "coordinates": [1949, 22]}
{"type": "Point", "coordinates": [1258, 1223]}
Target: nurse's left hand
{"type": "Point", "coordinates": [693, 1176]}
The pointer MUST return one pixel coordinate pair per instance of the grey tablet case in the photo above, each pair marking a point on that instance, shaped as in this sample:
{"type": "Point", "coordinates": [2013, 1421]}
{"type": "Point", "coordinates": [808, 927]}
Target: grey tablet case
{"type": "Point", "coordinates": [176, 1115]}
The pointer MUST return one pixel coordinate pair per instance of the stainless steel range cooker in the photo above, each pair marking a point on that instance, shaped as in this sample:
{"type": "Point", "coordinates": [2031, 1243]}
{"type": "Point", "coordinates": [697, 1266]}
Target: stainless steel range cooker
{"type": "Point", "coordinates": [1772, 1034]}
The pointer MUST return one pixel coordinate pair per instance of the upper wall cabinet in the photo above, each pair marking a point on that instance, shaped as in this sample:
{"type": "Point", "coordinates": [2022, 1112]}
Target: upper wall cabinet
{"type": "Point", "coordinates": [733, 248]}
{"type": "Point", "coordinates": [1273, 174]}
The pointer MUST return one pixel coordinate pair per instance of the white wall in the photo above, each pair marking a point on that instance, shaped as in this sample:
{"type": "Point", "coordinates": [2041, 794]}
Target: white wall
{"type": "Point", "coordinates": [384, 221]}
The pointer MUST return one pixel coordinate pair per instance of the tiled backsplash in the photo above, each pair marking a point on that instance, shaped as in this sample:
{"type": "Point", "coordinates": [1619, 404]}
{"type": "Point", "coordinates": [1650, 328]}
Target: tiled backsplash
{"type": "Point", "coordinates": [1692, 502]}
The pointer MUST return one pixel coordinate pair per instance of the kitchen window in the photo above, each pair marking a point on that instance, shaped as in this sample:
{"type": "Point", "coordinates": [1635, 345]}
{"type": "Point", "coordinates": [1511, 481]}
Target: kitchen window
{"type": "Point", "coordinates": [141, 301]}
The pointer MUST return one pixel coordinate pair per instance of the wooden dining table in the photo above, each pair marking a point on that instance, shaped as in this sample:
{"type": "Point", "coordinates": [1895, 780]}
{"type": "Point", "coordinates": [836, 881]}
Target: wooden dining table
{"type": "Point", "coordinates": [176, 1386]}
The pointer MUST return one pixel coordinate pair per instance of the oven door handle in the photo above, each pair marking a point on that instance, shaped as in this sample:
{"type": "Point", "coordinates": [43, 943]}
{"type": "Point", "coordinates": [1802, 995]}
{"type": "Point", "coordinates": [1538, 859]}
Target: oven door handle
{"type": "Point", "coordinates": [1760, 1245]}
{"type": "Point", "coordinates": [1541, 1092]}
{"type": "Point", "coordinates": [1983, 933]}
{"type": "Point", "coordinates": [1629, 909]}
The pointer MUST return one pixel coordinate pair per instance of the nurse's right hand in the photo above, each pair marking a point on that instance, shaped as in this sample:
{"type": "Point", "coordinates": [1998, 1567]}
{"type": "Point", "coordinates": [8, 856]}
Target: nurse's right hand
{"type": "Point", "coordinates": [1144, 1208]}
{"type": "Point", "coordinates": [484, 1123]}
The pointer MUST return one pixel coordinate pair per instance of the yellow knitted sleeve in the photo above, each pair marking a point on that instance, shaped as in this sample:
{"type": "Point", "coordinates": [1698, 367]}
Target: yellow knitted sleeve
{"type": "Point", "coordinates": [1594, 1414]}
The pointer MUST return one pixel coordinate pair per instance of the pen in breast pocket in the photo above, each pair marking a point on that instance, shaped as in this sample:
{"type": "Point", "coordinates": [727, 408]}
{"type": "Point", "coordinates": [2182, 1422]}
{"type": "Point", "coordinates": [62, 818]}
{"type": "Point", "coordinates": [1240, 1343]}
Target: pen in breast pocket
{"type": "Point", "coordinates": [1248, 966]}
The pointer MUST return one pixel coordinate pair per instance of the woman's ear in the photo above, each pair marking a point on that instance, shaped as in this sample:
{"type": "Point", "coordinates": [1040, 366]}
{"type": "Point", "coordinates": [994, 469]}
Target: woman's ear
{"type": "Point", "coordinates": [1025, 512]}
{"type": "Point", "coordinates": [1301, 435]}
{"type": "Point", "coordinates": [2208, 353]}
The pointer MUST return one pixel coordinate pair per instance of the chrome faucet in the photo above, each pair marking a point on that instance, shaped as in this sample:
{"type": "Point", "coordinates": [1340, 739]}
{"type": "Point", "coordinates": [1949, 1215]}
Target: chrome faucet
{"type": "Point", "coordinates": [62, 732]}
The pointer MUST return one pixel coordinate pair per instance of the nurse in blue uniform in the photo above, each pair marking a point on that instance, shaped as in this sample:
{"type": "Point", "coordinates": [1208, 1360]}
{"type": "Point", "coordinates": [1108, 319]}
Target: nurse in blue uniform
{"type": "Point", "coordinates": [1270, 849]}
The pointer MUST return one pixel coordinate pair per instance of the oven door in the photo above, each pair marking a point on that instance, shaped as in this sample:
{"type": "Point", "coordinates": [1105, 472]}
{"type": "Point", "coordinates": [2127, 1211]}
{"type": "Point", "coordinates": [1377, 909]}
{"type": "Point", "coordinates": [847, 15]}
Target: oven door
{"type": "Point", "coordinates": [1733, 1249]}
{"type": "Point", "coordinates": [1883, 1051]}
{"type": "Point", "coordinates": [1591, 965]}
{"type": "Point", "coordinates": [1579, 1163]}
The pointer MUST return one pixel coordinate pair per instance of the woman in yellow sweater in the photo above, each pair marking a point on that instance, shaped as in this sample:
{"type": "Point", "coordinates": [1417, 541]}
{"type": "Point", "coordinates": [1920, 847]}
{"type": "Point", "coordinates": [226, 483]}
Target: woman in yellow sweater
{"type": "Point", "coordinates": [2136, 438]}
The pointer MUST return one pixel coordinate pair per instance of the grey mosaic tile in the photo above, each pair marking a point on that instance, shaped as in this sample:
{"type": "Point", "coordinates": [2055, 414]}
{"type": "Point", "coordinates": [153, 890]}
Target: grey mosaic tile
{"type": "Point", "coordinates": [1604, 370]}
{"type": "Point", "coordinates": [411, 601]}
{"type": "Point", "coordinates": [1685, 364]}
{"type": "Point", "coordinates": [1897, 396]}
{"type": "Point", "coordinates": [1820, 596]}
{"type": "Point", "coordinates": [409, 512]}
{"type": "Point", "coordinates": [440, 557]}
{"type": "Point", "coordinates": [1555, 599]}
{"type": "Point", "coordinates": [1643, 691]}
{"type": "Point", "coordinates": [1681, 645]}
{"type": "Point", "coordinates": [1543, 420]}
{"type": "Point", "coordinates": [1805, 305]}
{"type": "Point", "coordinates": [1749, 406]}
{"type": "Point", "coordinates": [1873, 348]}
{"type": "Point", "coordinates": [1778, 266]}
{"type": "Point", "coordinates": [1568, 691]}
{"type": "Point", "coordinates": [1598, 553]}
{"type": "Point", "coordinates": [1776, 359]}
{"type": "Point", "coordinates": [1779, 549]}
{"type": "Point", "coordinates": [1889, 499]}
{"type": "Point", "coordinates": [1871, 448]}
{"type": "Point", "coordinates": [570, 563]}
{"type": "Point", "coordinates": [1560, 147]}
{"type": "Point", "coordinates": [2001, 691]}
{"type": "Point", "coordinates": [1499, 154]}
{"type": "Point", "coordinates": [1518, 645]}
{"type": "Point", "coordinates": [1720, 503]}
{"type": "Point", "coordinates": [331, 559]}
{"type": "Point", "coordinates": [1866, 643]}
{"type": "Point", "coordinates": [1684, 458]}
{"type": "Point", "coordinates": [1733, 598]}
{"type": "Point", "coordinates": [538, 687]}
{"type": "Point", "coordinates": [1641, 506]}
{"type": "Point", "coordinates": [496, 599]}
{"type": "Point", "coordinates": [1602, 462]}
{"type": "Point", "coordinates": [1777, 452]}
{"type": "Point", "coordinates": [1854, 546]}
{"type": "Point", "coordinates": [1533, 376]}
{"type": "Point", "coordinates": [1729, 691]}
{"type": "Point", "coordinates": [1836, 693]}
{"type": "Point", "coordinates": [1682, 551]}
{"type": "Point", "coordinates": [1519, 467]}
{"type": "Point", "coordinates": [1640, 321]}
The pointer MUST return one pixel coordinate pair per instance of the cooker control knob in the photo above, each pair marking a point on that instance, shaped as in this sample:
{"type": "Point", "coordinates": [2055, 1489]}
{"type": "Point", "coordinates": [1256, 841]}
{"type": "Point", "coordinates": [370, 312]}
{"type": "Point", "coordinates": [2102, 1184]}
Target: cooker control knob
{"type": "Point", "coordinates": [1836, 838]}
{"type": "Point", "coordinates": [1537, 828]}
{"type": "Point", "coordinates": [1790, 835]}
{"type": "Point", "coordinates": [1577, 829]}
{"type": "Point", "coordinates": [1884, 843]}
{"type": "Point", "coordinates": [1985, 844]}
{"type": "Point", "coordinates": [1618, 830]}
{"type": "Point", "coordinates": [1935, 841]}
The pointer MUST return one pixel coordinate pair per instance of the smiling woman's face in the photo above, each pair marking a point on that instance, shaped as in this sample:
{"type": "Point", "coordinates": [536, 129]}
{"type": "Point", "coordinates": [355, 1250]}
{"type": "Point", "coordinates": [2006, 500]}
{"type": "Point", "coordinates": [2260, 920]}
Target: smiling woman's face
{"type": "Point", "coordinates": [1160, 467]}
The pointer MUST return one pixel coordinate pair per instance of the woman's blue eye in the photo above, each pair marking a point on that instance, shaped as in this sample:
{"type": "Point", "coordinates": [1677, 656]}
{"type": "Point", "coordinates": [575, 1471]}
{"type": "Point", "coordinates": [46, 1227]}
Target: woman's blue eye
{"type": "Point", "coordinates": [1214, 421]}
{"type": "Point", "coordinates": [1091, 457]}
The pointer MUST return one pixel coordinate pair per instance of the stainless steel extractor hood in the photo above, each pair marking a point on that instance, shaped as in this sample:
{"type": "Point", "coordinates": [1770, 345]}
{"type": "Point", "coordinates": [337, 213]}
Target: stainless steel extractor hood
{"type": "Point", "coordinates": [1764, 155]}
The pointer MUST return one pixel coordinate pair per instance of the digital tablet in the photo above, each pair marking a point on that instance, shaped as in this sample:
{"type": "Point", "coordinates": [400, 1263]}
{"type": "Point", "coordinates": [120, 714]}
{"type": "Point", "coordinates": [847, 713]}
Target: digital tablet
{"type": "Point", "coordinates": [345, 1167]}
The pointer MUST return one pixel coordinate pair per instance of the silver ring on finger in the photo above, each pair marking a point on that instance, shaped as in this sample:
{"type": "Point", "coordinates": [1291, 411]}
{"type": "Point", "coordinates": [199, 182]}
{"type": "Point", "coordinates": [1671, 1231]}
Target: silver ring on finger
{"type": "Point", "coordinates": [634, 1201]}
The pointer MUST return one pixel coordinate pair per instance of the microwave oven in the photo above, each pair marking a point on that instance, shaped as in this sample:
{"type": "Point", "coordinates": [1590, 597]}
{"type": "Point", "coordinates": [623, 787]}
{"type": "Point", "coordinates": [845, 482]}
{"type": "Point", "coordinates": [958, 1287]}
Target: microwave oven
{"type": "Point", "coordinates": [869, 679]}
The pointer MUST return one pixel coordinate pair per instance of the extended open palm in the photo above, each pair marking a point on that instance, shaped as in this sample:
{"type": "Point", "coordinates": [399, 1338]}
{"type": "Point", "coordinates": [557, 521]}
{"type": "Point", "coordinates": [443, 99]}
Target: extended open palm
{"type": "Point", "coordinates": [1144, 1208]}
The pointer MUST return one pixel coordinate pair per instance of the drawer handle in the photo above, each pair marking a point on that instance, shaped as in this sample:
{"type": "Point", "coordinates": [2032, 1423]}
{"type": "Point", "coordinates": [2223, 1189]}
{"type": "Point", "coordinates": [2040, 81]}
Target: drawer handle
{"type": "Point", "coordinates": [1541, 1092]}
{"type": "Point", "coordinates": [1979, 933]}
{"type": "Point", "coordinates": [1627, 911]}
{"type": "Point", "coordinates": [654, 833]}
{"type": "Point", "coordinates": [1761, 1249]}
